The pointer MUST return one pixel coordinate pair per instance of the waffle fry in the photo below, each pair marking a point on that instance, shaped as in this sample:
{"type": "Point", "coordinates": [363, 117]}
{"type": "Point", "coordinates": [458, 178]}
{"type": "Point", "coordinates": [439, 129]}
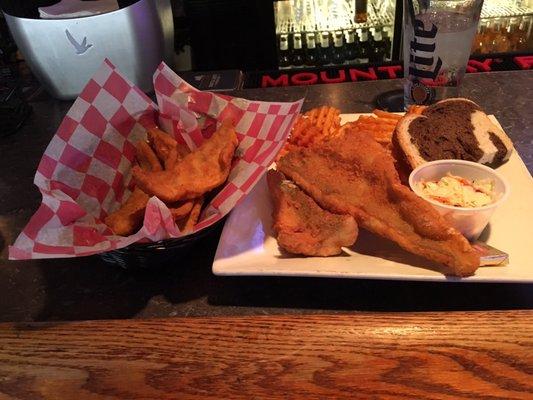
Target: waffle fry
{"type": "Point", "coordinates": [314, 127]}
{"type": "Point", "coordinates": [323, 123]}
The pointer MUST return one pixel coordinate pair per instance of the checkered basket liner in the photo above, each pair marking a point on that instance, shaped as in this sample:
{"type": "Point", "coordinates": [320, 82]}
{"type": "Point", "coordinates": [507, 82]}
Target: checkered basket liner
{"type": "Point", "coordinates": [85, 172]}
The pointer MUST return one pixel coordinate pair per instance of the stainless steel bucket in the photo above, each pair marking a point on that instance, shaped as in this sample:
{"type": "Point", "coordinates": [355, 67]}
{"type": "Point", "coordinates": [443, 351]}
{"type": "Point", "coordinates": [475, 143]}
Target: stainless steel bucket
{"type": "Point", "coordinates": [64, 53]}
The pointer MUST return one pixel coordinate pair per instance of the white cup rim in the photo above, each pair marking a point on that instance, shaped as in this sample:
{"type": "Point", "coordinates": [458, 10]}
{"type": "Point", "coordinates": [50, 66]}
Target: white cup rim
{"type": "Point", "coordinates": [451, 162]}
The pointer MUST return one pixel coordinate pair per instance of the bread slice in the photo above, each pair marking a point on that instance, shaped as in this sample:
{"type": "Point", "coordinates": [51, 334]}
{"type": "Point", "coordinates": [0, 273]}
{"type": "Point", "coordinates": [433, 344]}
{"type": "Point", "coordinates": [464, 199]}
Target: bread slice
{"type": "Point", "coordinates": [451, 129]}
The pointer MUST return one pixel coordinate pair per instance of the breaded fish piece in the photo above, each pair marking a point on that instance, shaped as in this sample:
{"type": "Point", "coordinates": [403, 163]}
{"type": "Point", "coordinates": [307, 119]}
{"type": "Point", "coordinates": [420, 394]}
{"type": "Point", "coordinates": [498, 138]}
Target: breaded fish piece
{"type": "Point", "coordinates": [197, 173]}
{"type": "Point", "coordinates": [355, 175]}
{"type": "Point", "coordinates": [301, 226]}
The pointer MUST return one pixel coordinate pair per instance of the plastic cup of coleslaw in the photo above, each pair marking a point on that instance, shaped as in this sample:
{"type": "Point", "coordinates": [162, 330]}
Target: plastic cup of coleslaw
{"type": "Point", "coordinates": [470, 221]}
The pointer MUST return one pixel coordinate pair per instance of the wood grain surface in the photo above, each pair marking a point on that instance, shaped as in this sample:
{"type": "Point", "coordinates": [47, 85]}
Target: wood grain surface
{"type": "Point", "coordinates": [360, 356]}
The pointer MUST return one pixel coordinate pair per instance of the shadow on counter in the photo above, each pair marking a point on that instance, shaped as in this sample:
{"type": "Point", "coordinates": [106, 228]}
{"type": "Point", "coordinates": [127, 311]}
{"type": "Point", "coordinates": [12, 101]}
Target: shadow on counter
{"type": "Point", "coordinates": [333, 294]}
{"type": "Point", "coordinates": [89, 288]}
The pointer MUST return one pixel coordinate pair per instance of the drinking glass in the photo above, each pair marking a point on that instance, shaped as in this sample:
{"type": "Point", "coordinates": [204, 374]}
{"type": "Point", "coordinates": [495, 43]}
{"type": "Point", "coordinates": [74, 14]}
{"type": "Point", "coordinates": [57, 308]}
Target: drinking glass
{"type": "Point", "coordinates": [437, 39]}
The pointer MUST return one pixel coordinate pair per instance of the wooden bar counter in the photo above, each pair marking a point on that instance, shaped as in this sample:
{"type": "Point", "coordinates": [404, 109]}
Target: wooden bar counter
{"type": "Point", "coordinates": [456, 355]}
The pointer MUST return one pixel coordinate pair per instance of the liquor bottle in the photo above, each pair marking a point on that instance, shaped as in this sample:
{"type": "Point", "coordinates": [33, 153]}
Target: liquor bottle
{"type": "Point", "coordinates": [490, 37]}
{"type": "Point", "coordinates": [324, 51]}
{"type": "Point", "coordinates": [478, 47]}
{"type": "Point", "coordinates": [500, 43]}
{"type": "Point", "coordinates": [337, 55]}
{"type": "Point", "coordinates": [284, 52]}
{"type": "Point", "coordinates": [387, 42]}
{"type": "Point", "coordinates": [377, 49]}
{"type": "Point", "coordinates": [522, 35]}
{"type": "Point", "coordinates": [298, 55]}
{"type": "Point", "coordinates": [350, 45]}
{"type": "Point", "coordinates": [311, 51]}
{"type": "Point", "coordinates": [362, 49]}
{"type": "Point", "coordinates": [512, 34]}
{"type": "Point", "coordinates": [361, 11]}
{"type": "Point", "coordinates": [371, 37]}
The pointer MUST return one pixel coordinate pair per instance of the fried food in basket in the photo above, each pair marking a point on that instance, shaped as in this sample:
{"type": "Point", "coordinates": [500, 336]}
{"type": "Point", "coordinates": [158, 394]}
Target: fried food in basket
{"type": "Point", "coordinates": [187, 223]}
{"type": "Point", "coordinates": [164, 163]}
{"type": "Point", "coordinates": [355, 175]}
{"type": "Point", "coordinates": [146, 157]}
{"type": "Point", "coordinates": [301, 226]}
{"type": "Point", "coordinates": [166, 147]}
{"type": "Point", "coordinates": [197, 173]}
{"type": "Point", "coordinates": [129, 217]}
{"type": "Point", "coordinates": [181, 210]}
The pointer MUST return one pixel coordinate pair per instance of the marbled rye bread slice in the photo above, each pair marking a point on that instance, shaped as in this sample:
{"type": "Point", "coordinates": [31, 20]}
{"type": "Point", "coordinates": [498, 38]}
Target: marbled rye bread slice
{"type": "Point", "coordinates": [451, 129]}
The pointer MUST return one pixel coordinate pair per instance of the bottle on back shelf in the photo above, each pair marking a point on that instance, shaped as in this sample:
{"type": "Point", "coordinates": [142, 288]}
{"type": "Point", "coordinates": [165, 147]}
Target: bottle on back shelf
{"type": "Point", "coordinates": [362, 49]}
{"type": "Point", "coordinates": [523, 40]}
{"type": "Point", "coordinates": [479, 46]}
{"type": "Point", "coordinates": [500, 43]}
{"type": "Point", "coordinates": [284, 51]}
{"type": "Point", "coordinates": [298, 55]}
{"type": "Point", "coordinates": [350, 45]}
{"type": "Point", "coordinates": [324, 50]}
{"type": "Point", "coordinates": [371, 31]}
{"type": "Point", "coordinates": [387, 43]}
{"type": "Point", "coordinates": [337, 54]}
{"type": "Point", "coordinates": [377, 50]}
{"type": "Point", "coordinates": [311, 51]}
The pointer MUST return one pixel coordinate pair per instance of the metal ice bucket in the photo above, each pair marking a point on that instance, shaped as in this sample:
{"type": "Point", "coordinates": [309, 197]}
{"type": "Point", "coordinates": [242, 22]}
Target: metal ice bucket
{"type": "Point", "coordinates": [64, 53]}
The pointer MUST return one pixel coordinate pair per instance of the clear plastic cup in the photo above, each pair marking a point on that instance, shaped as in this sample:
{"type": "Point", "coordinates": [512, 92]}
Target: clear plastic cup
{"type": "Point", "coordinates": [437, 39]}
{"type": "Point", "coordinates": [470, 221]}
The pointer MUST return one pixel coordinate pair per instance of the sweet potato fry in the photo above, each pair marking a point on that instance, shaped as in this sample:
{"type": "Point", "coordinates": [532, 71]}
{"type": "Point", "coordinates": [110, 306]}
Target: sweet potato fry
{"type": "Point", "coordinates": [386, 114]}
{"type": "Point", "coordinates": [187, 223]}
{"type": "Point", "coordinates": [146, 157]}
{"type": "Point", "coordinates": [181, 210]}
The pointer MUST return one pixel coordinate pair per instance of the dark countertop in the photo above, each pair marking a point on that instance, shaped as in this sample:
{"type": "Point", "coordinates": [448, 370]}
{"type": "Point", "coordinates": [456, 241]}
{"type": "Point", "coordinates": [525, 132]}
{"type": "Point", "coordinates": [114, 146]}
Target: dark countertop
{"type": "Point", "coordinates": [87, 288]}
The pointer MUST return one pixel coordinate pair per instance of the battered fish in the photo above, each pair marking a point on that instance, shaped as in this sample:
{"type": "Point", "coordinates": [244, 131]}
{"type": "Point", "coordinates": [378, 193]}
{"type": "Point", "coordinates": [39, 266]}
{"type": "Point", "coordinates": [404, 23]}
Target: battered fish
{"type": "Point", "coordinates": [301, 226]}
{"type": "Point", "coordinates": [355, 175]}
{"type": "Point", "coordinates": [197, 173]}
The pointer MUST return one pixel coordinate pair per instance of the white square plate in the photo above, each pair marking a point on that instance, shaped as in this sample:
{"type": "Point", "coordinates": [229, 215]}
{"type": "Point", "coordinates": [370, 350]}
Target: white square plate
{"type": "Point", "coordinates": [247, 246]}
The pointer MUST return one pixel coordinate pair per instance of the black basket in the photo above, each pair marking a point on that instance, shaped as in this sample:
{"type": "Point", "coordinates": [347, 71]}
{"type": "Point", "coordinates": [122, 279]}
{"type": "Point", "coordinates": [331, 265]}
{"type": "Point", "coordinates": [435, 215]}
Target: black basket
{"type": "Point", "coordinates": [156, 254]}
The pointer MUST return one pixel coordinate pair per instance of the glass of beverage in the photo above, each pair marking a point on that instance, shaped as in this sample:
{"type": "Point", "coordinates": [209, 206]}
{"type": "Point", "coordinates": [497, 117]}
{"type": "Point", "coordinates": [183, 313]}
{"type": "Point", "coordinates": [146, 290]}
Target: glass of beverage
{"type": "Point", "coordinates": [437, 40]}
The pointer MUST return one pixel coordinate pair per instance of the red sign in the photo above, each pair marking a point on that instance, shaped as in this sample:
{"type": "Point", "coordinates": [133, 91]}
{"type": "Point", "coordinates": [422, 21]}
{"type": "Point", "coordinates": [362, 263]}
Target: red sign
{"type": "Point", "coordinates": [340, 75]}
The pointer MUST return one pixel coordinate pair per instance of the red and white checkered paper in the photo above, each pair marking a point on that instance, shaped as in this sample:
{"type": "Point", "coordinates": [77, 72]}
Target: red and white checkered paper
{"type": "Point", "coordinates": [85, 172]}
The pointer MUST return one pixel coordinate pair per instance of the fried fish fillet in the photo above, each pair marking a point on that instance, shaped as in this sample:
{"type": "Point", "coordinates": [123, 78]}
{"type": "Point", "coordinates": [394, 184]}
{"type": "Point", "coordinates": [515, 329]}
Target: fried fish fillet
{"type": "Point", "coordinates": [197, 173]}
{"type": "Point", "coordinates": [355, 175]}
{"type": "Point", "coordinates": [301, 226]}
